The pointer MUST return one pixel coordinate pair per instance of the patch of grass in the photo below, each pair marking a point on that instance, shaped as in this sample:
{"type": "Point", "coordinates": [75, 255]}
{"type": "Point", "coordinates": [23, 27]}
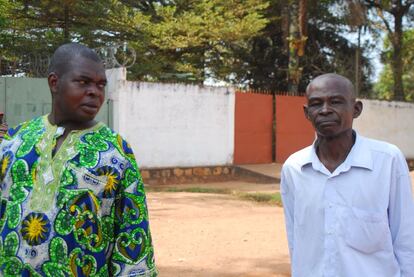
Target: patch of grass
{"type": "Point", "coordinates": [190, 189]}
{"type": "Point", "coordinates": [261, 197]}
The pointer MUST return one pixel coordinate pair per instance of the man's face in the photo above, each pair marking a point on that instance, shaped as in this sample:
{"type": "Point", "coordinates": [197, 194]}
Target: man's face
{"type": "Point", "coordinates": [79, 92]}
{"type": "Point", "coordinates": [331, 107]}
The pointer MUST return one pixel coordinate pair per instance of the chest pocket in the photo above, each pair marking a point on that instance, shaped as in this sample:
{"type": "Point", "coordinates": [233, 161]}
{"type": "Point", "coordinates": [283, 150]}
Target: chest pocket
{"type": "Point", "coordinates": [87, 180]}
{"type": "Point", "coordinates": [366, 231]}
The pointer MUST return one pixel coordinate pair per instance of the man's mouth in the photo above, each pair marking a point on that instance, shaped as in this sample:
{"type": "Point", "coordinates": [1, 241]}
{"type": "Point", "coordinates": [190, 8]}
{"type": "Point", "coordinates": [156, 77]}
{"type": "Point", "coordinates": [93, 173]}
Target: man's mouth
{"type": "Point", "coordinates": [90, 107]}
{"type": "Point", "coordinates": [327, 123]}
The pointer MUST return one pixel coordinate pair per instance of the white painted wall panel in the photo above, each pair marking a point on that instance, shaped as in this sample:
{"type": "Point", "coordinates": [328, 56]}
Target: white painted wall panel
{"type": "Point", "coordinates": [171, 125]}
{"type": "Point", "coordinates": [389, 121]}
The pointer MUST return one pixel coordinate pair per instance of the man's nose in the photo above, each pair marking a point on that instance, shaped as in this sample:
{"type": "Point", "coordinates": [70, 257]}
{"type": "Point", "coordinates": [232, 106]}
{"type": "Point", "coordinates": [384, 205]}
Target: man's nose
{"type": "Point", "coordinates": [326, 108]}
{"type": "Point", "coordinates": [92, 89]}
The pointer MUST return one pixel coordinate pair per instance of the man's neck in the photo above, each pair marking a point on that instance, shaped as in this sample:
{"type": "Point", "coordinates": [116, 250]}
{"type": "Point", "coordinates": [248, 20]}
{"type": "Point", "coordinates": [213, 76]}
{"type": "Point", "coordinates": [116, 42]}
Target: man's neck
{"type": "Point", "coordinates": [70, 125]}
{"type": "Point", "coordinates": [332, 151]}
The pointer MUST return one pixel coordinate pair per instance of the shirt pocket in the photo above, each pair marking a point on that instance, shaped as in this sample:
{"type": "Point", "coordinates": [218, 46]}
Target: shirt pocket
{"type": "Point", "coordinates": [88, 180]}
{"type": "Point", "coordinates": [366, 231]}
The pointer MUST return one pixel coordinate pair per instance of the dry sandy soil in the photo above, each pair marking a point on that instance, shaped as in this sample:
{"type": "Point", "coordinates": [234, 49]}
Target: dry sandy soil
{"type": "Point", "coordinates": [216, 235]}
{"type": "Point", "coordinates": [203, 235]}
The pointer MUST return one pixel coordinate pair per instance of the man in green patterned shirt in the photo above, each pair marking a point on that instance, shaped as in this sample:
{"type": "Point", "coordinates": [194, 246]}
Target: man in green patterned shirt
{"type": "Point", "coordinates": [3, 126]}
{"type": "Point", "coordinates": [72, 198]}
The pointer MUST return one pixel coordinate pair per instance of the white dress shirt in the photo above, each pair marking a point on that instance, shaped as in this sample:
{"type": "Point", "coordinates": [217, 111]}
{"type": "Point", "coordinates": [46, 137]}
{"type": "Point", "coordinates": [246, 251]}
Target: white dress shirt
{"type": "Point", "coordinates": [356, 221]}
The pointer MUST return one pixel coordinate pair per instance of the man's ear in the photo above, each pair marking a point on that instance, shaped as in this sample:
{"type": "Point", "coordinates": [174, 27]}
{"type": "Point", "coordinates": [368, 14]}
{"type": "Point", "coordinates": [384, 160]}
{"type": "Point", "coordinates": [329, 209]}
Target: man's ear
{"type": "Point", "coordinates": [305, 111]}
{"type": "Point", "coordinates": [52, 80]}
{"type": "Point", "coordinates": [358, 106]}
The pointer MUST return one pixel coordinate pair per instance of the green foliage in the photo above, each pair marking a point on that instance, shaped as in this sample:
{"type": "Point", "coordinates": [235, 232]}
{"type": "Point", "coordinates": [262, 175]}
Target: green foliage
{"type": "Point", "coordinates": [174, 40]}
{"type": "Point", "coordinates": [35, 28]}
{"type": "Point", "coordinates": [384, 88]}
{"type": "Point", "coordinates": [263, 65]}
{"type": "Point", "coordinates": [261, 197]}
{"type": "Point", "coordinates": [190, 189]}
{"type": "Point", "coordinates": [4, 13]}
{"type": "Point", "coordinates": [239, 41]}
{"type": "Point", "coordinates": [272, 198]}
{"type": "Point", "coordinates": [393, 17]}
{"type": "Point", "coordinates": [193, 42]}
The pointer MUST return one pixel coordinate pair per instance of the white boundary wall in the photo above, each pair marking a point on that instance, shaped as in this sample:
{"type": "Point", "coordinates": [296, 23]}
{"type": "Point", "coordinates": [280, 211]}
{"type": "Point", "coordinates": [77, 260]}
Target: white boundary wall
{"type": "Point", "coordinates": [389, 121]}
{"type": "Point", "coordinates": [173, 125]}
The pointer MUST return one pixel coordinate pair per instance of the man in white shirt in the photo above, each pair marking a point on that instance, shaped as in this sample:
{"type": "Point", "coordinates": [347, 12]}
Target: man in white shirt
{"type": "Point", "coordinates": [348, 204]}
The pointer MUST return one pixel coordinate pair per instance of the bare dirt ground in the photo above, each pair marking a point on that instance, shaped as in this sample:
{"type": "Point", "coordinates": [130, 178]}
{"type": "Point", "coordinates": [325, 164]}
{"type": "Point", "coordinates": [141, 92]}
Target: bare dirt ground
{"type": "Point", "coordinates": [198, 234]}
{"type": "Point", "coordinates": [203, 235]}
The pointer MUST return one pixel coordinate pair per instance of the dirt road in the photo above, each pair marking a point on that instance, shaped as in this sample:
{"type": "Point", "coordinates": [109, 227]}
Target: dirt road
{"type": "Point", "coordinates": [197, 235]}
{"type": "Point", "coordinates": [212, 235]}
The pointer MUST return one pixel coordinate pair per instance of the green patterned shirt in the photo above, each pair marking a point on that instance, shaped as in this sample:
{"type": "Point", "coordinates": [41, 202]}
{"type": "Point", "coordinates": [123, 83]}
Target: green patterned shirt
{"type": "Point", "coordinates": [80, 212]}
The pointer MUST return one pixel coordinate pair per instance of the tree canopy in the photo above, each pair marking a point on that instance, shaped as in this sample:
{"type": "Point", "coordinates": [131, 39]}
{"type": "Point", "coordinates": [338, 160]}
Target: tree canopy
{"type": "Point", "coordinates": [391, 14]}
{"type": "Point", "coordinates": [384, 87]}
{"type": "Point", "coordinates": [247, 43]}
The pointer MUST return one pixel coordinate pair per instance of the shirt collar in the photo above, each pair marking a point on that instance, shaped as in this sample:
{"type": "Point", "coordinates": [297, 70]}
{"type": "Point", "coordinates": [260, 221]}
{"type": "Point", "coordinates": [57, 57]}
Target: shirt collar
{"type": "Point", "coordinates": [359, 156]}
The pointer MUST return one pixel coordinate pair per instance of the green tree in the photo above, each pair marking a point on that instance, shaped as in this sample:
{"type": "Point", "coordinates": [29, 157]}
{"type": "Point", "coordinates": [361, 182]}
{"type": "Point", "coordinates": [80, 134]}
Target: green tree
{"type": "Point", "coordinates": [36, 28]}
{"type": "Point", "coordinates": [182, 40]}
{"type": "Point", "coordinates": [392, 13]}
{"type": "Point", "coordinates": [264, 65]}
{"type": "Point", "coordinates": [241, 41]}
{"type": "Point", "coordinates": [194, 41]}
{"type": "Point", "coordinates": [385, 85]}
{"type": "Point", "coordinates": [4, 13]}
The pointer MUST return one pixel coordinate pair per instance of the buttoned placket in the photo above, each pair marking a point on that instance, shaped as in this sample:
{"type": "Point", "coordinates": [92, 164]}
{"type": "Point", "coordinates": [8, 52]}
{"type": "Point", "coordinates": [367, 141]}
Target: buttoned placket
{"type": "Point", "coordinates": [330, 228]}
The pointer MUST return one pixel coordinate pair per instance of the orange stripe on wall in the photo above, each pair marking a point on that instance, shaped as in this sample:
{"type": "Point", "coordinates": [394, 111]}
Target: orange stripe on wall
{"type": "Point", "coordinates": [293, 130]}
{"type": "Point", "coordinates": [253, 128]}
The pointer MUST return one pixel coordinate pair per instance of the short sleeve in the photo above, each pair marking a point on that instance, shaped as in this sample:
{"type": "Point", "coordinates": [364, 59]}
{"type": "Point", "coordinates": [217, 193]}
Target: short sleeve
{"type": "Point", "coordinates": [133, 252]}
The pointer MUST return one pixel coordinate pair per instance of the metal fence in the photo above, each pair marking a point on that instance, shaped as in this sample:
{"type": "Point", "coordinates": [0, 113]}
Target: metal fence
{"type": "Point", "coordinates": [36, 65]}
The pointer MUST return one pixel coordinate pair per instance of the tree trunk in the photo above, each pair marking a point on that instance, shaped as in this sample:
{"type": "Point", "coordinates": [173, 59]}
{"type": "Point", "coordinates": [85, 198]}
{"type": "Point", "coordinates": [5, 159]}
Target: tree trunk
{"type": "Point", "coordinates": [358, 63]}
{"type": "Point", "coordinates": [294, 36]}
{"type": "Point", "coordinates": [297, 41]}
{"type": "Point", "coordinates": [397, 63]}
{"type": "Point", "coordinates": [66, 23]}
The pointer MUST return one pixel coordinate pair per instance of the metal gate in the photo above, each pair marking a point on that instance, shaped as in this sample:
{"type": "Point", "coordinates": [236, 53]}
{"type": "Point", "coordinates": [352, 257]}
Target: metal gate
{"type": "Point", "coordinates": [22, 99]}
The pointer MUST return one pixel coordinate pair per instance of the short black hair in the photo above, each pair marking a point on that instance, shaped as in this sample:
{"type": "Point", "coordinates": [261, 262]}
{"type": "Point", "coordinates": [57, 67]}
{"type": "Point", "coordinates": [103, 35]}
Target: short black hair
{"type": "Point", "coordinates": [66, 53]}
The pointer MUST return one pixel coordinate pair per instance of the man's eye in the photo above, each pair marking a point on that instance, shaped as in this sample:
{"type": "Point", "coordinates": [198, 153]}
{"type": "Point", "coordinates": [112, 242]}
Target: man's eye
{"type": "Point", "coordinates": [314, 104]}
{"type": "Point", "coordinates": [102, 85]}
{"type": "Point", "coordinates": [82, 82]}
